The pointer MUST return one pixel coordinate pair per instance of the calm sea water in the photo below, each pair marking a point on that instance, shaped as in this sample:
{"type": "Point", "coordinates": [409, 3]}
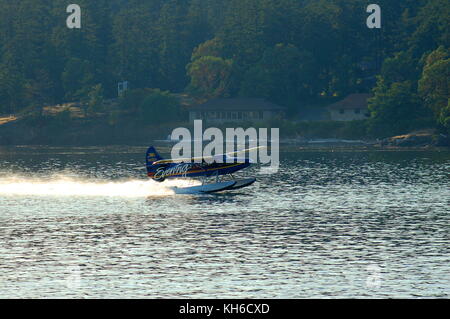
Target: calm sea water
{"type": "Point", "coordinates": [86, 223]}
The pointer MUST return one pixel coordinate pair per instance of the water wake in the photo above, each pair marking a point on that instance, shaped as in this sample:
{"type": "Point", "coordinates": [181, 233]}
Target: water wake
{"type": "Point", "coordinates": [72, 186]}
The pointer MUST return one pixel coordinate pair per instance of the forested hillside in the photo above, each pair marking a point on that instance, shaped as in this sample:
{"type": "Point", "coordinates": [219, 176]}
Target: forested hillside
{"type": "Point", "coordinates": [292, 52]}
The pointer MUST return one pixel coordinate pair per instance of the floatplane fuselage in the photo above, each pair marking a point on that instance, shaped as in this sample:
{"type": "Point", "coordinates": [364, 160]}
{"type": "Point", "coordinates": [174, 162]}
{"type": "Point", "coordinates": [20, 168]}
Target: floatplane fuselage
{"type": "Point", "coordinates": [160, 169]}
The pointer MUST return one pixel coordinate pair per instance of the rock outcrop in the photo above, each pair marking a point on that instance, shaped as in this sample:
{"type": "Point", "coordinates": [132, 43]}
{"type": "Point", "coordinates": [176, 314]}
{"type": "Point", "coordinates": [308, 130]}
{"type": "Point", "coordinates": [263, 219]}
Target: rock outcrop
{"type": "Point", "coordinates": [424, 138]}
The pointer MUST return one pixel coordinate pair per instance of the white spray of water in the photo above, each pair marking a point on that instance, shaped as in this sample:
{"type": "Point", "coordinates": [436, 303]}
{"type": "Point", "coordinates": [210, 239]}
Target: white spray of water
{"type": "Point", "coordinates": [70, 186]}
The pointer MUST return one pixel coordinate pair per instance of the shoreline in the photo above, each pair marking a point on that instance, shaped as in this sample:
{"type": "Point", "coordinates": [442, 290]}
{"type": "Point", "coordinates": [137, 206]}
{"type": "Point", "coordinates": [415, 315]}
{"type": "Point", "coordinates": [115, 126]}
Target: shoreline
{"type": "Point", "coordinates": [284, 147]}
{"type": "Point", "coordinates": [100, 132]}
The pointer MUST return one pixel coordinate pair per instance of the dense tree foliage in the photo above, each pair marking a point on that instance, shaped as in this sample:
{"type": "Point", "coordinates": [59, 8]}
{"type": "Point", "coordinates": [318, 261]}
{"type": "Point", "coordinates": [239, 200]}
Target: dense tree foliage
{"type": "Point", "coordinates": [151, 106]}
{"type": "Point", "coordinates": [395, 103]}
{"type": "Point", "coordinates": [210, 77]}
{"type": "Point", "coordinates": [293, 52]}
{"type": "Point", "coordinates": [434, 85]}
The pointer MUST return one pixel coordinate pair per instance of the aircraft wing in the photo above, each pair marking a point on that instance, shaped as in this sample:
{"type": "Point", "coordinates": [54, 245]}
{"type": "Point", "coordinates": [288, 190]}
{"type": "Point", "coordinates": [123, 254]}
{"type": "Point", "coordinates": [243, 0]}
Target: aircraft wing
{"type": "Point", "coordinates": [205, 158]}
{"type": "Point", "coordinates": [183, 160]}
{"type": "Point", "coordinates": [245, 150]}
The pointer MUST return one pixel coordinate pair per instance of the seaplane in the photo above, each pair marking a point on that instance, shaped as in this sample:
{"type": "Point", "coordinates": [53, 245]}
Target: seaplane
{"type": "Point", "coordinates": [216, 167]}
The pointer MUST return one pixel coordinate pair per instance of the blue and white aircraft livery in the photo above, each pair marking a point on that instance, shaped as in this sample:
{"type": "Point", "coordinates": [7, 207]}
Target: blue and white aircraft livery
{"type": "Point", "coordinates": [160, 169]}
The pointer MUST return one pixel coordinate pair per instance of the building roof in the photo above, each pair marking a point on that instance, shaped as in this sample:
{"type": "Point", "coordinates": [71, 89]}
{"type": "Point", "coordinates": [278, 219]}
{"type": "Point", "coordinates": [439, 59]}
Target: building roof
{"type": "Point", "coordinates": [237, 104]}
{"type": "Point", "coordinates": [352, 101]}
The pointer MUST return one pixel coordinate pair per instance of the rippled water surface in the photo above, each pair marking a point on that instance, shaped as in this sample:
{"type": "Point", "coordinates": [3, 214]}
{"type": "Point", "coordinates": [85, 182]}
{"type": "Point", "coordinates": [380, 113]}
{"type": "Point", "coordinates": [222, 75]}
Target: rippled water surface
{"type": "Point", "coordinates": [86, 223]}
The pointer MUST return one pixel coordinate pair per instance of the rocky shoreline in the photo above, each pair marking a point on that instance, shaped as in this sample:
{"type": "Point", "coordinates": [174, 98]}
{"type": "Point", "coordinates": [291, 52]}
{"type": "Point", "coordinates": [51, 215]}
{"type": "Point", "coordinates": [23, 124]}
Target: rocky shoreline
{"type": "Point", "coordinates": [426, 138]}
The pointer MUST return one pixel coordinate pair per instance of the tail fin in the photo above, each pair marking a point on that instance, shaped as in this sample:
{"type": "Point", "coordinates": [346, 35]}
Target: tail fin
{"type": "Point", "coordinates": [151, 157]}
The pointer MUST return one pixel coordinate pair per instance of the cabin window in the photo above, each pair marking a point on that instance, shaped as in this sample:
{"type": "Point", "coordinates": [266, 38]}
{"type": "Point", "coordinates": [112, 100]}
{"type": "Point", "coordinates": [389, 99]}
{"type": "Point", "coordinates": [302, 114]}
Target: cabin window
{"type": "Point", "coordinates": [239, 115]}
{"type": "Point", "coordinates": [357, 111]}
{"type": "Point", "coordinates": [261, 115]}
{"type": "Point", "coordinates": [341, 111]}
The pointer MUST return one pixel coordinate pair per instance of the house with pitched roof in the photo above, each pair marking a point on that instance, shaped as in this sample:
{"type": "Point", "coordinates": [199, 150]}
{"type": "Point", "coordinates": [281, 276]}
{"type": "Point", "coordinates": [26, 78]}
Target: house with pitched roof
{"type": "Point", "coordinates": [353, 107]}
{"type": "Point", "coordinates": [236, 110]}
